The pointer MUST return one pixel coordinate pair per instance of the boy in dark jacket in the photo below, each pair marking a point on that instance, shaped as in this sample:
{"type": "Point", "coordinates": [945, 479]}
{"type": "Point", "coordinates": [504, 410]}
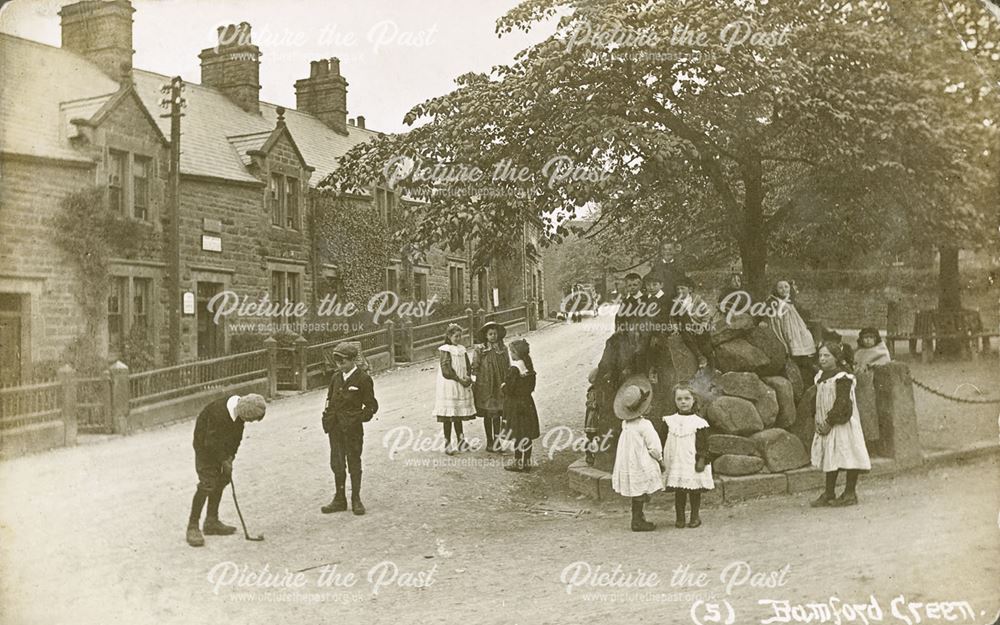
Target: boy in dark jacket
{"type": "Point", "coordinates": [350, 403]}
{"type": "Point", "coordinates": [217, 435]}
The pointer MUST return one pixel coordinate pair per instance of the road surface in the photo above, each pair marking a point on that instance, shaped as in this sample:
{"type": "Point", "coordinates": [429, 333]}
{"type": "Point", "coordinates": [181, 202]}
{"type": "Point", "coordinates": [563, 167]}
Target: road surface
{"type": "Point", "coordinates": [95, 533]}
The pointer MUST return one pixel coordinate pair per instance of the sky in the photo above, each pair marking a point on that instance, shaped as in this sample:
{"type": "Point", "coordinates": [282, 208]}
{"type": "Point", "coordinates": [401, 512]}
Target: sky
{"type": "Point", "coordinates": [393, 54]}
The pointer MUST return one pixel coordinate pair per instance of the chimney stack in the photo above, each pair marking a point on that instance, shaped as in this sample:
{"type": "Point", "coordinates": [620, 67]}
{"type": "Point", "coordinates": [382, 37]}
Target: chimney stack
{"type": "Point", "coordinates": [361, 122]}
{"type": "Point", "coordinates": [233, 66]}
{"type": "Point", "coordinates": [324, 94]}
{"type": "Point", "coordinates": [100, 31]}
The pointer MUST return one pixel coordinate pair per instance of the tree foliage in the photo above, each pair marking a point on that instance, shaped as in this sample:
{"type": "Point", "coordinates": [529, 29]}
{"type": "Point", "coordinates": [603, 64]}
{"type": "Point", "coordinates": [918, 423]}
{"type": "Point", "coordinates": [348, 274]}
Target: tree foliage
{"type": "Point", "coordinates": [829, 120]}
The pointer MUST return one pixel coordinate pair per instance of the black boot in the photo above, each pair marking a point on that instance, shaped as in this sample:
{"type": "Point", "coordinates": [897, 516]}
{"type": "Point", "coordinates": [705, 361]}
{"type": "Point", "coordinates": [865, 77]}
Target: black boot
{"type": "Point", "coordinates": [829, 494]}
{"type": "Point", "coordinates": [515, 464]}
{"type": "Point", "coordinates": [680, 502]}
{"type": "Point", "coordinates": [695, 497]}
{"type": "Point", "coordinates": [357, 507]}
{"type": "Point", "coordinates": [194, 537]}
{"type": "Point", "coordinates": [339, 503]}
{"type": "Point", "coordinates": [526, 459]}
{"type": "Point", "coordinates": [639, 522]}
{"type": "Point", "coordinates": [213, 526]}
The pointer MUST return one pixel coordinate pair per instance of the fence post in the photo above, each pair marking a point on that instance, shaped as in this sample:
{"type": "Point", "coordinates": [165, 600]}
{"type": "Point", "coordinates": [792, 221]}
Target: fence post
{"type": "Point", "coordinates": [302, 362]}
{"type": "Point", "coordinates": [472, 326]}
{"type": "Point", "coordinates": [532, 318]}
{"type": "Point", "coordinates": [271, 345]}
{"type": "Point", "coordinates": [119, 408]}
{"type": "Point", "coordinates": [390, 335]}
{"type": "Point", "coordinates": [407, 342]}
{"type": "Point", "coordinates": [67, 377]}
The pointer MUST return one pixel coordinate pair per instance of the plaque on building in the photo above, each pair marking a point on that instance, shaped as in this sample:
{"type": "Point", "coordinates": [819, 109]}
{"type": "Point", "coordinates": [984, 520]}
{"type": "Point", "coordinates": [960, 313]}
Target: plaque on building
{"type": "Point", "coordinates": [211, 243]}
{"type": "Point", "coordinates": [188, 304]}
{"type": "Point", "coordinates": [211, 225]}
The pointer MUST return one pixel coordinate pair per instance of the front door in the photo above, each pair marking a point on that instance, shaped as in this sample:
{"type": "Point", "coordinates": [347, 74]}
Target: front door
{"type": "Point", "coordinates": [211, 336]}
{"type": "Point", "coordinates": [10, 339]}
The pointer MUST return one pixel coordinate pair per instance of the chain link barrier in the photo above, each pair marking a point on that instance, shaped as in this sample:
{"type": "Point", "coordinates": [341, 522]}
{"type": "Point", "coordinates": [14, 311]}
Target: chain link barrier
{"type": "Point", "coordinates": [964, 400]}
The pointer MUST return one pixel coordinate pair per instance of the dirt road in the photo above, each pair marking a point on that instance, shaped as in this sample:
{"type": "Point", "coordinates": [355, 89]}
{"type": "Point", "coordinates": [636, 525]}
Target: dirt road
{"type": "Point", "coordinates": [95, 534]}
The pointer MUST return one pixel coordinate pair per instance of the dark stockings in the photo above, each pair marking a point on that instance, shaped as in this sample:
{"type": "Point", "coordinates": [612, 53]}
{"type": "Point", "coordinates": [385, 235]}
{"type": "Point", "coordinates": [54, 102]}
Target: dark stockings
{"type": "Point", "coordinates": [458, 431]}
{"type": "Point", "coordinates": [852, 481]}
{"type": "Point", "coordinates": [492, 427]}
{"type": "Point", "coordinates": [197, 505]}
{"type": "Point", "coordinates": [680, 501]}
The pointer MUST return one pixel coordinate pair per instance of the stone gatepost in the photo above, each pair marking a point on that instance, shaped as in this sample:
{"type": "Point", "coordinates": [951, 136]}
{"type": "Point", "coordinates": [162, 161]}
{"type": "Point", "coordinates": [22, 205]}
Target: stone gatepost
{"type": "Point", "coordinates": [899, 438]}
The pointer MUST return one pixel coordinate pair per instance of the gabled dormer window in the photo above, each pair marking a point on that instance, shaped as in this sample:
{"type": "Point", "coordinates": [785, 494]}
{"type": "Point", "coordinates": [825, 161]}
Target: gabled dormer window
{"type": "Point", "coordinates": [129, 184]}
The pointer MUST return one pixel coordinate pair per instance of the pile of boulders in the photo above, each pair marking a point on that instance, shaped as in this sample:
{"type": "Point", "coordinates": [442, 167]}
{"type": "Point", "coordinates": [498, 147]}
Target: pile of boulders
{"type": "Point", "coordinates": [752, 403]}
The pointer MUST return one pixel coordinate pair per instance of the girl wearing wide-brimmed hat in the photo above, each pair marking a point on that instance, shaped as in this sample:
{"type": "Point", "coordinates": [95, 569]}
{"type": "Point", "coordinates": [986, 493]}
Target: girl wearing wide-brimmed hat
{"type": "Point", "coordinates": [453, 401]}
{"type": "Point", "coordinates": [490, 362]}
{"type": "Point", "coordinates": [637, 471]}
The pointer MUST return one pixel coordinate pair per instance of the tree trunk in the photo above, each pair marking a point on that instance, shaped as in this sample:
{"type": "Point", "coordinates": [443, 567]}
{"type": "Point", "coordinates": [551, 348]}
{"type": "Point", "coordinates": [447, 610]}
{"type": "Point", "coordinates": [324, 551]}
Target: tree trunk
{"type": "Point", "coordinates": [753, 238]}
{"type": "Point", "coordinates": [949, 287]}
{"type": "Point", "coordinates": [949, 293]}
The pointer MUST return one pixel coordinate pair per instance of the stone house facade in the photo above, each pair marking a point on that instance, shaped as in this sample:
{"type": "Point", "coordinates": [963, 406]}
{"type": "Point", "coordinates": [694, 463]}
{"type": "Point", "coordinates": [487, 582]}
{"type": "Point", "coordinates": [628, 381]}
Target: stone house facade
{"type": "Point", "coordinates": [80, 116]}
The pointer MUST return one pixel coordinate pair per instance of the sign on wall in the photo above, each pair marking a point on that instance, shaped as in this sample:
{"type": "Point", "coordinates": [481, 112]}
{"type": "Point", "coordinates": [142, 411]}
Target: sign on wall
{"type": "Point", "coordinates": [188, 306]}
{"type": "Point", "coordinates": [211, 243]}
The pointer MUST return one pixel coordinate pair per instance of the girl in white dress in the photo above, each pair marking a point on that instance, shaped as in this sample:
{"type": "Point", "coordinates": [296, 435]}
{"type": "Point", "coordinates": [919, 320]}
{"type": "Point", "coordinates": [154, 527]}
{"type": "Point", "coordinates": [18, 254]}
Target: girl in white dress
{"type": "Point", "coordinates": [839, 442]}
{"type": "Point", "coordinates": [637, 462]}
{"type": "Point", "coordinates": [791, 329]}
{"type": "Point", "coordinates": [453, 401]}
{"type": "Point", "coordinates": [685, 456]}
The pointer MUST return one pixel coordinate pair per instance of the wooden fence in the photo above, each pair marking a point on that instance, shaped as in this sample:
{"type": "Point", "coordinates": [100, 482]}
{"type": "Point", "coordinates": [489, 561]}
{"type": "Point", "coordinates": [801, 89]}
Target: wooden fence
{"type": "Point", "coordinates": [22, 406]}
{"type": "Point", "coordinates": [158, 385]}
{"type": "Point", "coordinates": [107, 403]}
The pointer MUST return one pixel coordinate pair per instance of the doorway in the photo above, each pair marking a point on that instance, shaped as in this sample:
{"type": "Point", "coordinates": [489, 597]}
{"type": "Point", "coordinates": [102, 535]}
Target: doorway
{"type": "Point", "coordinates": [211, 336]}
{"type": "Point", "coordinates": [11, 319]}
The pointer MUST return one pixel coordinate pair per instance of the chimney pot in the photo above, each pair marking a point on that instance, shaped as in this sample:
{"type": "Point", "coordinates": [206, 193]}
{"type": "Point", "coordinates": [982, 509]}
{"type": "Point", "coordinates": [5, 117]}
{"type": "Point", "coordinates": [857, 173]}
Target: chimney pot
{"type": "Point", "coordinates": [324, 94]}
{"type": "Point", "coordinates": [236, 75]}
{"type": "Point", "coordinates": [361, 122]}
{"type": "Point", "coordinates": [101, 32]}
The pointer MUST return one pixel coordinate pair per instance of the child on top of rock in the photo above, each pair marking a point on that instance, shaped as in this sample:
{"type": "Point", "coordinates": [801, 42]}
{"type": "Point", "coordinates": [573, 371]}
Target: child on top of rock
{"type": "Point", "coordinates": [685, 456]}
{"type": "Point", "coordinates": [871, 351]}
{"type": "Point", "coordinates": [839, 442]}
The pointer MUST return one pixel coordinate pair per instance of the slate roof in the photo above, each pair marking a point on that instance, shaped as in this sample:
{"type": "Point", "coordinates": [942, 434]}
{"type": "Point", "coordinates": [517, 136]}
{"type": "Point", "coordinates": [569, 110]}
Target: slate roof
{"type": "Point", "coordinates": [43, 87]}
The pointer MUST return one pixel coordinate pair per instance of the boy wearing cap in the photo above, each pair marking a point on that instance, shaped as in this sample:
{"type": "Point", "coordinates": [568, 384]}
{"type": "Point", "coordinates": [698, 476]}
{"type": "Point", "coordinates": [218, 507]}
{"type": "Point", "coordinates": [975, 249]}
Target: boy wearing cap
{"type": "Point", "coordinates": [350, 403]}
{"type": "Point", "coordinates": [217, 436]}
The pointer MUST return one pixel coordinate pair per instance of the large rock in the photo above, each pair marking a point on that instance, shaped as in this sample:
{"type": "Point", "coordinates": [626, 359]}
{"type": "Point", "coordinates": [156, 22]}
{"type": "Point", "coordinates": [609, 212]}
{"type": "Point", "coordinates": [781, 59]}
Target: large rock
{"type": "Point", "coordinates": [725, 329]}
{"type": "Point", "coordinates": [740, 355]}
{"type": "Point", "coordinates": [734, 415]}
{"type": "Point", "coordinates": [786, 400]}
{"type": "Point", "coordinates": [805, 423]}
{"type": "Point", "coordinates": [864, 392]}
{"type": "Point", "coordinates": [749, 386]}
{"type": "Point", "coordinates": [684, 361]}
{"type": "Point", "coordinates": [723, 444]}
{"type": "Point", "coordinates": [794, 376]}
{"type": "Point", "coordinates": [732, 464]}
{"type": "Point", "coordinates": [764, 339]}
{"type": "Point", "coordinates": [780, 449]}
{"type": "Point", "coordinates": [706, 386]}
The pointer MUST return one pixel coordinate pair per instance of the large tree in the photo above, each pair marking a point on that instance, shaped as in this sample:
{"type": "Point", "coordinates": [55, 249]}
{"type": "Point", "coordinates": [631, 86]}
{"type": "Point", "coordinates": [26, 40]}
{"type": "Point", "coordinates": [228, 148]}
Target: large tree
{"type": "Point", "coordinates": [744, 126]}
